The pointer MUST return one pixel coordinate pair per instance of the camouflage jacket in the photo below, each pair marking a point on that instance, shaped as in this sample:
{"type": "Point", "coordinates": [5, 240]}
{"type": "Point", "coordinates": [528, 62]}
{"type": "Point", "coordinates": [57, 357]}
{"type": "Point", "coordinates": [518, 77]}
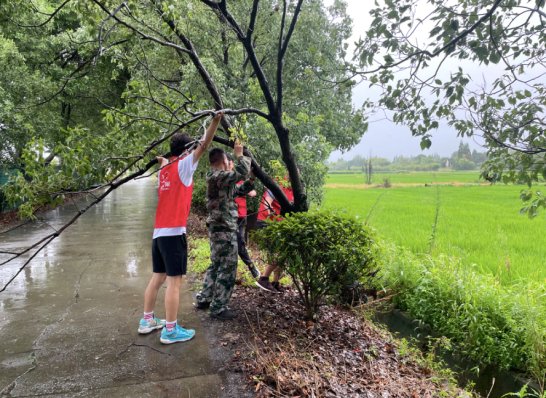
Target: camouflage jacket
{"type": "Point", "coordinates": [221, 187]}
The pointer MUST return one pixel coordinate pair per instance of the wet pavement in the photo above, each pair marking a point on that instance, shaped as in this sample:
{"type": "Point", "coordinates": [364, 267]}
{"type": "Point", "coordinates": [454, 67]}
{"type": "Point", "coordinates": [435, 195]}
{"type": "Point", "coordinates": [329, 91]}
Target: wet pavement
{"type": "Point", "coordinates": [68, 323]}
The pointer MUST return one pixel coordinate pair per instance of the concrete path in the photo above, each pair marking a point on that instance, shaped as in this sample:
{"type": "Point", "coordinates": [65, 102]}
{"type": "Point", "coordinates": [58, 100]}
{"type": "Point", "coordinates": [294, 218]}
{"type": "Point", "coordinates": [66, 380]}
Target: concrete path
{"type": "Point", "coordinates": [68, 323]}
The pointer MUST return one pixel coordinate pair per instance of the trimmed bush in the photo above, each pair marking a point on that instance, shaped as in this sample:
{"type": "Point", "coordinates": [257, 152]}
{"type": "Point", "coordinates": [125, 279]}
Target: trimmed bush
{"type": "Point", "coordinates": [323, 252]}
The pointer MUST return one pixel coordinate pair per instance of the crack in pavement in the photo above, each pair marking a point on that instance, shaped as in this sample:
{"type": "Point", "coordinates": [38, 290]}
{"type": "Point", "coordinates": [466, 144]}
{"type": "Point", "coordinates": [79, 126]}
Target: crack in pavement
{"type": "Point", "coordinates": [6, 391]}
{"type": "Point", "coordinates": [133, 344]}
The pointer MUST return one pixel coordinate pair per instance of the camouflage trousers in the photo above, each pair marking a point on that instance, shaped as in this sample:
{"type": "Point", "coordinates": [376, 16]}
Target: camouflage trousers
{"type": "Point", "coordinates": [220, 276]}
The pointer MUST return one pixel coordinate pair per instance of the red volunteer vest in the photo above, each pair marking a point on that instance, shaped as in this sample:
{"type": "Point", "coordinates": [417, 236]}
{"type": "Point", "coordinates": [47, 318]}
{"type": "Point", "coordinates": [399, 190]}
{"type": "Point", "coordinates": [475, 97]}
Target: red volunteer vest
{"type": "Point", "coordinates": [174, 198]}
{"type": "Point", "coordinates": [263, 211]}
{"type": "Point", "coordinates": [240, 201]}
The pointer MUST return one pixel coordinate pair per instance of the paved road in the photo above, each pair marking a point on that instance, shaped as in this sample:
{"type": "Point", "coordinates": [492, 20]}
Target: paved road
{"type": "Point", "coordinates": [68, 323]}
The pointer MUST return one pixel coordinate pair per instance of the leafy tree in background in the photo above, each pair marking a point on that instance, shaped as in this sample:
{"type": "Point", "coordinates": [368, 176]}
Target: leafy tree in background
{"type": "Point", "coordinates": [48, 87]}
{"type": "Point", "coordinates": [477, 65]}
{"type": "Point", "coordinates": [464, 151]}
{"type": "Point", "coordinates": [139, 70]}
{"type": "Point", "coordinates": [51, 118]}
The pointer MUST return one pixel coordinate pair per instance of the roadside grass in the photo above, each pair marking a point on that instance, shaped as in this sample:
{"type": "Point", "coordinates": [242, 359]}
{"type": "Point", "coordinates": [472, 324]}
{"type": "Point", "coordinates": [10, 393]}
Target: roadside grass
{"type": "Point", "coordinates": [485, 321]}
{"type": "Point", "coordinates": [199, 261]}
{"type": "Point", "coordinates": [199, 255]}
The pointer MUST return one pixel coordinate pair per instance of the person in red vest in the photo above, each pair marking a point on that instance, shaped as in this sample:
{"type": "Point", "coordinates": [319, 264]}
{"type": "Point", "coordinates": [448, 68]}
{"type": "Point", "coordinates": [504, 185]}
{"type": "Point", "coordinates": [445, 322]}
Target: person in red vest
{"type": "Point", "coordinates": [270, 209]}
{"type": "Point", "coordinates": [244, 189]}
{"type": "Point", "coordinates": [169, 246]}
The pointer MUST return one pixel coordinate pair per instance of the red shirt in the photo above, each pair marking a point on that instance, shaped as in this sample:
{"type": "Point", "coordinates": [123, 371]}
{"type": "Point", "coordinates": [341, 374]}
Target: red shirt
{"type": "Point", "coordinates": [240, 201]}
{"type": "Point", "coordinates": [275, 208]}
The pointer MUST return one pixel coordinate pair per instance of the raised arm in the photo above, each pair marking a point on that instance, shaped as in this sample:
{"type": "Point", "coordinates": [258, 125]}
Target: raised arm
{"type": "Point", "coordinates": [207, 137]}
{"type": "Point", "coordinates": [245, 188]}
{"type": "Point", "coordinates": [242, 168]}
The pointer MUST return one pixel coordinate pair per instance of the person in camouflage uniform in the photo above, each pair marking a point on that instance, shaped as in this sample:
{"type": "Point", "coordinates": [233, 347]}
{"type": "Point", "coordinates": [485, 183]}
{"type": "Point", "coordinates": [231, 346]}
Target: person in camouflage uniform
{"type": "Point", "coordinates": [222, 227]}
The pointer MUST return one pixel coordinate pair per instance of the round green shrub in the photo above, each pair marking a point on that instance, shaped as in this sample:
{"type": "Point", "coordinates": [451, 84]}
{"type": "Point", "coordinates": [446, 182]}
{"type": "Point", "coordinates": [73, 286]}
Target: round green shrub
{"type": "Point", "coordinates": [323, 252]}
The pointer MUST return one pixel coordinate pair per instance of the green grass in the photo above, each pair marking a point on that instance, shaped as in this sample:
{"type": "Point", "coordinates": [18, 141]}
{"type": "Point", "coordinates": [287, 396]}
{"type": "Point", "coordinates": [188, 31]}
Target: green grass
{"type": "Point", "coordinates": [199, 261]}
{"type": "Point", "coordinates": [462, 260]}
{"type": "Point", "coordinates": [481, 225]}
{"type": "Point", "coordinates": [415, 177]}
{"type": "Point", "coordinates": [487, 322]}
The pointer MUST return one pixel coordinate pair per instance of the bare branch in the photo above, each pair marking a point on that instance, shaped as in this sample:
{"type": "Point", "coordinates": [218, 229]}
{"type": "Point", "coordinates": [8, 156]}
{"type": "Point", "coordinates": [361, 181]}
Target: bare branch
{"type": "Point", "coordinates": [253, 15]}
{"type": "Point", "coordinates": [280, 59]}
{"type": "Point", "coordinates": [139, 32]}
{"type": "Point", "coordinates": [50, 238]}
{"type": "Point", "coordinates": [291, 28]}
{"type": "Point", "coordinates": [249, 48]}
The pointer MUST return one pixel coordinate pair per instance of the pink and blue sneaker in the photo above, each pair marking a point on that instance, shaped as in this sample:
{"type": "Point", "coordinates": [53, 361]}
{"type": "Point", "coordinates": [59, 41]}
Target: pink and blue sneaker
{"type": "Point", "coordinates": [147, 326]}
{"type": "Point", "coordinates": [177, 335]}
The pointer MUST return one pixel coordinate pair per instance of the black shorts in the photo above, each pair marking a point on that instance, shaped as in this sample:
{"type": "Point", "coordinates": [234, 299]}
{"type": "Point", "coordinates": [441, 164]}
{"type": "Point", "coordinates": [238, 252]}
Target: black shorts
{"type": "Point", "coordinates": [170, 255]}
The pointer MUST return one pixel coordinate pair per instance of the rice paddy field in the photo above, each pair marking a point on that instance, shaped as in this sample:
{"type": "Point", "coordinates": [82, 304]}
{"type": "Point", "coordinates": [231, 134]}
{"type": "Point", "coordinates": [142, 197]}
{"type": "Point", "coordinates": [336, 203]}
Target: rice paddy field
{"type": "Point", "coordinates": [451, 213]}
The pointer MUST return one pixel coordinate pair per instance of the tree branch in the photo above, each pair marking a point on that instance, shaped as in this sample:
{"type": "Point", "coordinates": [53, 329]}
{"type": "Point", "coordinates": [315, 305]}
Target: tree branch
{"type": "Point", "coordinates": [450, 44]}
{"type": "Point", "coordinates": [253, 15]}
{"type": "Point", "coordinates": [283, 46]}
{"type": "Point", "coordinates": [247, 44]}
{"type": "Point", "coordinates": [51, 16]}
{"type": "Point", "coordinates": [139, 32]}
{"type": "Point", "coordinates": [114, 183]}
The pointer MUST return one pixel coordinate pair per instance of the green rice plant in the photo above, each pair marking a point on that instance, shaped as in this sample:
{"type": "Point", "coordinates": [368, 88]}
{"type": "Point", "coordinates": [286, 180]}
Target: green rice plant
{"type": "Point", "coordinates": [432, 238]}
{"type": "Point", "coordinates": [416, 177]}
{"type": "Point", "coordinates": [402, 215]}
{"type": "Point", "coordinates": [479, 224]}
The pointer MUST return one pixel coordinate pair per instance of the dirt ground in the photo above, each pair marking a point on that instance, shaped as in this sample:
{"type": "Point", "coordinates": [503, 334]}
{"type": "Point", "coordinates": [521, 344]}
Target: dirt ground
{"type": "Point", "coordinates": [278, 354]}
{"type": "Point", "coordinates": [9, 220]}
{"type": "Point", "coordinates": [343, 355]}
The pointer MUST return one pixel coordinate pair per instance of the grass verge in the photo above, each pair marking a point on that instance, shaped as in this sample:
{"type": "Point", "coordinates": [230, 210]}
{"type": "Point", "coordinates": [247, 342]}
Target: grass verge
{"type": "Point", "coordinates": [485, 321]}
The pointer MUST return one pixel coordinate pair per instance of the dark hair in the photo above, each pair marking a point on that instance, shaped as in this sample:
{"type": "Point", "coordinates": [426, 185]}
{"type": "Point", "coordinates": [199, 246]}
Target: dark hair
{"type": "Point", "coordinates": [216, 156]}
{"type": "Point", "coordinates": [230, 157]}
{"type": "Point", "coordinates": [178, 143]}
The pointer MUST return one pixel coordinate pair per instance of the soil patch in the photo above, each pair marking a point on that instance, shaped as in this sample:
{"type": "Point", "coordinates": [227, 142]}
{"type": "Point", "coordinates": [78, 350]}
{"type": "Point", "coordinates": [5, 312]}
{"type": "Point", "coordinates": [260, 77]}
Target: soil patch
{"type": "Point", "coordinates": [9, 220]}
{"type": "Point", "coordinates": [343, 355]}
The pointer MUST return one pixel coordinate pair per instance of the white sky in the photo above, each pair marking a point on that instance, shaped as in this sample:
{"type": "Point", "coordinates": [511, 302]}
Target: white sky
{"type": "Point", "coordinates": [384, 138]}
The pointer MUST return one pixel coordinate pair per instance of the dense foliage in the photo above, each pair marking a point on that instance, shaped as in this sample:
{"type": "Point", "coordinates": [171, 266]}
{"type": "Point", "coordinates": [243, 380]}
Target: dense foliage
{"type": "Point", "coordinates": [323, 252]}
{"type": "Point", "coordinates": [462, 159]}
{"type": "Point", "coordinates": [487, 322]}
{"type": "Point", "coordinates": [91, 84]}
{"type": "Point", "coordinates": [477, 65]}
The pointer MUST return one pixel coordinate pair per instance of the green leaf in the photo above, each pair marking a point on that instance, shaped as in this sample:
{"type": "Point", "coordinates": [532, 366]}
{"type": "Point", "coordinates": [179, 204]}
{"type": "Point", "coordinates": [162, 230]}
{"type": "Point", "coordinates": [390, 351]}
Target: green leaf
{"type": "Point", "coordinates": [425, 143]}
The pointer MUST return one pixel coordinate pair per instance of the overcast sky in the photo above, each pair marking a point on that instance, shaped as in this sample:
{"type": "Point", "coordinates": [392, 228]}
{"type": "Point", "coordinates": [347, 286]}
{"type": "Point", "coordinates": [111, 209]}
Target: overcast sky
{"type": "Point", "coordinates": [384, 138]}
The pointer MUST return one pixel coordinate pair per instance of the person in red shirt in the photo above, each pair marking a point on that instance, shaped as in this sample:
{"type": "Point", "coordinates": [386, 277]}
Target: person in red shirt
{"type": "Point", "coordinates": [270, 209]}
{"type": "Point", "coordinates": [169, 246]}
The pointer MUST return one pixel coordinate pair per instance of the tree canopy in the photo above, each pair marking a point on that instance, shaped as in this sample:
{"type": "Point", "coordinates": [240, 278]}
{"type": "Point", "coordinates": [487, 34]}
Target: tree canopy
{"type": "Point", "coordinates": [98, 86]}
{"type": "Point", "coordinates": [479, 66]}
